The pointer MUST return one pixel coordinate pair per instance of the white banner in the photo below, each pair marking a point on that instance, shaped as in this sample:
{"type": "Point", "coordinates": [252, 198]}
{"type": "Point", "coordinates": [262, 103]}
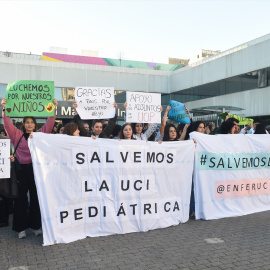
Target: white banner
{"type": "Point", "coordinates": [231, 175]}
{"type": "Point", "coordinates": [143, 107]}
{"type": "Point", "coordinates": [4, 161]}
{"type": "Point", "coordinates": [100, 187]}
{"type": "Point", "coordinates": [95, 102]}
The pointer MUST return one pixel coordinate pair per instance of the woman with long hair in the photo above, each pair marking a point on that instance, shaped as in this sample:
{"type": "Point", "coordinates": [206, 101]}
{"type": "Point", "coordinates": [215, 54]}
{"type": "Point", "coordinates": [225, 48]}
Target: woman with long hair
{"type": "Point", "coordinates": [19, 138]}
{"type": "Point", "coordinates": [138, 133]}
{"type": "Point", "coordinates": [170, 133]}
{"type": "Point", "coordinates": [126, 132]}
{"type": "Point", "coordinates": [184, 131]}
{"type": "Point", "coordinates": [137, 128]}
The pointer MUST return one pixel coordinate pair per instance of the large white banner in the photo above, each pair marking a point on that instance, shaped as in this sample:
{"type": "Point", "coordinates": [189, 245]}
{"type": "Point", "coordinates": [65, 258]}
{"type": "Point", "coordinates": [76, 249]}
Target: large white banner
{"type": "Point", "coordinates": [143, 107]}
{"type": "Point", "coordinates": [100, 187]}
{"type": "Point", "coordinates": [95, 102]}
{"type": "Point", "coordinates": [4, 161]}
{"type": "Point", "coordinates": [231, 175]}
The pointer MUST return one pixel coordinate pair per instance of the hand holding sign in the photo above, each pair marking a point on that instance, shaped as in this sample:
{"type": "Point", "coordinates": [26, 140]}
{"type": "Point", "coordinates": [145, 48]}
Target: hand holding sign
{"type": "Point", "coordinates": [95, 102]}
{"type": "Point", "coordinates": [179, 112]}
{"type": "Point", "coordinates": [24, 98]}
{"type": "Point", "coordinates": [143, 107]}
{"type": "Point", "coordinates": [242, 120]}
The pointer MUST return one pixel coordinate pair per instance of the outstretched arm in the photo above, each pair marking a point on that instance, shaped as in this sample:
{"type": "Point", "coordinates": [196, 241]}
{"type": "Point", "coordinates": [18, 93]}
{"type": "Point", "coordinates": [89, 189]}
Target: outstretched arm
{"type": "Point", "coordinates": [11, 130]}
{"type": "Point", "coordinates": [77, 120]}
{"type": "Point", "coordinates": [164, 121]}
{"type": "Point", "coordinates": [188, 112]}
{"type": "Point", "coordinates": [183, 135]}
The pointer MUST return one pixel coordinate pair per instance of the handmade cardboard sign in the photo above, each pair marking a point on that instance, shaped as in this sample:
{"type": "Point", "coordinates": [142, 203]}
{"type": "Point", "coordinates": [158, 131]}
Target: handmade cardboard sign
{"type": "Point", "coordinates": [143, 107]}
{"type": "Point", "coordinates": [95, 102]}
{"type": "Point", "coordinates": [30, 98]}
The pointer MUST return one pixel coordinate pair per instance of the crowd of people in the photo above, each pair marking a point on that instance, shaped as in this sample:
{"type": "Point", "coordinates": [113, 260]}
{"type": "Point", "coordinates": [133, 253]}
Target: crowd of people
{"type": "Point", "coordinates": [26, 212]}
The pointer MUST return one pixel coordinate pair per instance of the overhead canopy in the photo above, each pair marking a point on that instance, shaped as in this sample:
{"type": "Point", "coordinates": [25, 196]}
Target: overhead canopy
{"type": "Point", "coordinates": [215, 109]}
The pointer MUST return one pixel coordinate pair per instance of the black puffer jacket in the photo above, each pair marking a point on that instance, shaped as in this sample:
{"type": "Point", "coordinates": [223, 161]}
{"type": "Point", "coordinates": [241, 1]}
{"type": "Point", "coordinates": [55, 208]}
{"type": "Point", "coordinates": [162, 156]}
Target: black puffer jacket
{"type": "Point", "coordinates": [106, 132]}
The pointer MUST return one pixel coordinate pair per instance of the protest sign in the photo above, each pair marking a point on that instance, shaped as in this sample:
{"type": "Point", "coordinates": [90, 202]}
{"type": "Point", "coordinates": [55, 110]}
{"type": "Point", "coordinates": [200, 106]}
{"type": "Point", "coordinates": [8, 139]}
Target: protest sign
{"type": "Point", "coordinates": [178, 112]}
{"type": "Point", "coordinates": [30, 98]}
{"type": "Point", "coordinates": [242, 120]}
{"type": "Point", "coordinates": [4, 161]}
{"type": "Point", "coordinates": [143, 107]}
{"type": "Point", "coordinates": [95, 102]}
{"type": "Point", "coordinates": [101, 187]}
{"type": "Point", "coordinates": [231, 175]}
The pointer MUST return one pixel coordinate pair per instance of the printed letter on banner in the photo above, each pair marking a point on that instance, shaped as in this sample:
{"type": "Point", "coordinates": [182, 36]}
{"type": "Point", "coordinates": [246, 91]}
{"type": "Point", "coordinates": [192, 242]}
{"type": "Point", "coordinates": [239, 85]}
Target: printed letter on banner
{"type": "Point", "coordinates": [101, 187]}
{"type": "Point", "coordinates": [231, 175]}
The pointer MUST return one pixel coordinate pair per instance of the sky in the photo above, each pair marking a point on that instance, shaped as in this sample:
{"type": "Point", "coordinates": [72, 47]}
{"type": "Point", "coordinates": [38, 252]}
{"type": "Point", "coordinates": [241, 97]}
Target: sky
{"type": "Point", "coordinates": [142, 30]}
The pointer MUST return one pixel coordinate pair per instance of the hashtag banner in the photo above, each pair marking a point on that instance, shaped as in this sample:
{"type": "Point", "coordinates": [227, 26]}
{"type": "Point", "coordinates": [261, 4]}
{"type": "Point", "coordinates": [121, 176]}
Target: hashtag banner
{"type": "Point", "coordinates": [231, 175]}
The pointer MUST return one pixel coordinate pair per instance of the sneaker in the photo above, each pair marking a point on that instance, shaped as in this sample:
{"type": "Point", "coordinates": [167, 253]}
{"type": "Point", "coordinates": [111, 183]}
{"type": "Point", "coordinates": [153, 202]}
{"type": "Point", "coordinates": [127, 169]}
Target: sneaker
{"type": "Point", "coordinates": [37, 232]}
{"type": "Point", "coordinates": [22, 235]}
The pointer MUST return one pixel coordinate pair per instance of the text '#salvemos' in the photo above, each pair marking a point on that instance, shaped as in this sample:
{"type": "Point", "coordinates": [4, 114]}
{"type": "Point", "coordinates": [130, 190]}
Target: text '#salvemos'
{"type": "Point", "coordinates": [233, 161]}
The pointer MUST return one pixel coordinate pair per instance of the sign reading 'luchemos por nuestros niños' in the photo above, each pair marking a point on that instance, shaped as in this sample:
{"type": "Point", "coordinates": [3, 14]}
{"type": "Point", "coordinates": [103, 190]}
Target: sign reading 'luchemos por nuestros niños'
{"type": "Point", "coordinates": [30, 98]}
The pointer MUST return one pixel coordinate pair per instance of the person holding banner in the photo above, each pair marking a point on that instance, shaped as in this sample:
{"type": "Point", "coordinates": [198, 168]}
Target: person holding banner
{"type": "Point", "coordinates": [126, 132]}
{"type": "Point", "coordinates": [25, 176]}
{"type": "Point", "coordinates": [163, 125]}
{"type": "Point", "coordinates": [170, 133]}
{"type": "Point", "coordinates": [198, 126]}
{"type": "Point", "coordinates": [137, 128]}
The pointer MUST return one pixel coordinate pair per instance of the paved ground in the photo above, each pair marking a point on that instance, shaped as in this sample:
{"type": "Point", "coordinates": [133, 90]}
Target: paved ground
{"type": "Point", "coordinates": [231, 243]}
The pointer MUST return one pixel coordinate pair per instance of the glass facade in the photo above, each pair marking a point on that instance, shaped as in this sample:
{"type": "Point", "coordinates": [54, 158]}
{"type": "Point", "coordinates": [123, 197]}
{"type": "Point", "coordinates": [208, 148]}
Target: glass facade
{"type": "Point", "coordinates": [223, 87]}
{"type": "Point", "coordinates": [252, 80]}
